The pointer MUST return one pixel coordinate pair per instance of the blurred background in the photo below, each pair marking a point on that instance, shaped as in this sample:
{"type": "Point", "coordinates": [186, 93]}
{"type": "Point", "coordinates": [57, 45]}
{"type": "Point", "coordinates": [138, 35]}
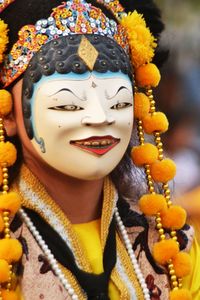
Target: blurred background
{"type": "Point", "coordinates": [179, 94]}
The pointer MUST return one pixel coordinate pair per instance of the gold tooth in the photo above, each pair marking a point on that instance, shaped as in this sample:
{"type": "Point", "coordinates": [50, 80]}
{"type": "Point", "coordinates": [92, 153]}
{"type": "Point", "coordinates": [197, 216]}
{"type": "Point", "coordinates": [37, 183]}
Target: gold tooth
{"type": "Point", "coordinates": [103, 143]}
{"type": "Point", "coordinates": [87, 144]}
{"type": "Point", "coordinates": [95, 143]}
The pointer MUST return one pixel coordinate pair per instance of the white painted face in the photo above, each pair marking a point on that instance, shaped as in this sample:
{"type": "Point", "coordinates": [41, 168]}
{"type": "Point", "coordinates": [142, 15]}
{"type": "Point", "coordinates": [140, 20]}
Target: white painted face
{"type": "Point", "coordinates": [82, 123]}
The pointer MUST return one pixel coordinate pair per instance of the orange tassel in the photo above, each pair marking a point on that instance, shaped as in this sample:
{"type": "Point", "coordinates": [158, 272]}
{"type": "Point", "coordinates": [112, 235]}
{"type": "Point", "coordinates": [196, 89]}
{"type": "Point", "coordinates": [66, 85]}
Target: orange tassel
{"type": "Point", "coordinates": [182, 264]}
{"type": "Point", "coordinates": [10, 295]}
{"type": "Point", "coordinates": [141, 105]}
{"type": "Point", "coordinates": [4, 271]}
{"type": "Point", "coordinates": [155, 122]}
{"type": "Point", "coordinates": [5, 103]}
{"type": "Point", "coordinates": [8, 153]}
{"type": "Point", "coordinates": [10, 250]}
{"type": "Point", "coordinates": [11, 202]}
{"type": "Point", "coordinates": [174, 217]}
{"type": "Point", "coordinates": [151, 204]}
{"type": "Point", "coordinates": [182, 294]}
{"type": "Point", "coordinates": [144, 154]}
{"type": "Point", "coordinates": [163, 171]}
{"type": "Point", "coordinates": [165, 250]}
{"type": "Point", "coordinates": [147, 76]}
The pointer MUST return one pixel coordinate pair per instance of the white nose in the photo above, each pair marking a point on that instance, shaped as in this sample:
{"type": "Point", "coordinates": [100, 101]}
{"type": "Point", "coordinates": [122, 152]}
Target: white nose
{"type": "Point", "coordinates": [97, 116]}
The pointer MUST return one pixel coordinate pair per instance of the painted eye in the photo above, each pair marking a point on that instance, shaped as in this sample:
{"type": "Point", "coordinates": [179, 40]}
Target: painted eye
{"type": "Point", "coordinates": [68, 107]}
{"type": "Point", "coordinates": [121, 105]}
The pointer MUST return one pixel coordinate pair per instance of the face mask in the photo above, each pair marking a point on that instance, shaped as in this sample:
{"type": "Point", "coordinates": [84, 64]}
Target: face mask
{"type": "Point", "coordinates": [82, 123]}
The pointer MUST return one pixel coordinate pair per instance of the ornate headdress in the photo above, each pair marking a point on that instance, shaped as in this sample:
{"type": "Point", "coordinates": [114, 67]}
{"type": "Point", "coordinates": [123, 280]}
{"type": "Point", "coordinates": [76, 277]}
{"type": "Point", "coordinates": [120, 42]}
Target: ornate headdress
{"type": "Point", "coordinates": [130, 31]}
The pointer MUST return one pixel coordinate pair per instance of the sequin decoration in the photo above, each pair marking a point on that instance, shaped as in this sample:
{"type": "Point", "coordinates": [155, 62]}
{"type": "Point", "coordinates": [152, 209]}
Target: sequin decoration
{"type": "Point", "coordinates": [4, 4]}
{"type": "Point", "coordinates": [72, 17]}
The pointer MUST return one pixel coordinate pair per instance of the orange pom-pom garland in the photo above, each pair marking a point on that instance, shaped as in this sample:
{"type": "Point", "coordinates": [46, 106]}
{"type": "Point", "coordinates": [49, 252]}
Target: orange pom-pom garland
{"type": "Point", "coordinates": [182, 294]}
{"type": "Point", "coordinates": [5, 102]}
{"type": "Point", "coordinates": [151, 204]}
{"type": "Point", "coordinates": [147, 75]}
{"type": "Point", "coordinates": [141, 105]}
{"type": "Point", "coordinates": [144, 154]}
{"type": "Point", "coordinates": [165, 250]}
{"type": "Point", "coordinates": [4, 271]}
{"type": "Point", "coordinates": [182, 264]}
{"type": "Point", "coordinates": [174, 217]}
{"type": "Point", "coordinates": [10, 250]}
{"type": "Point", "coordinates": [10, 295]}
{"type": "Point", "coordinates": [8, 153]}
{"type": "Point", "coordinates": [163, 171]}
{"type": "Point", "coordinates": [10, 201]}
{"type": "Point", "coordinates": [156, 122]}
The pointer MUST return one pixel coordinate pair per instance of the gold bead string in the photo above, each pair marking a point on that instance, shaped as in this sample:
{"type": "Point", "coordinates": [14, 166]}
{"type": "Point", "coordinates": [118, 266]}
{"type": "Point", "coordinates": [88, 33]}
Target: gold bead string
{"type": "Point", "coordinates": [5, 214]}
{"type": "Point", "coordinates": [175, 282]}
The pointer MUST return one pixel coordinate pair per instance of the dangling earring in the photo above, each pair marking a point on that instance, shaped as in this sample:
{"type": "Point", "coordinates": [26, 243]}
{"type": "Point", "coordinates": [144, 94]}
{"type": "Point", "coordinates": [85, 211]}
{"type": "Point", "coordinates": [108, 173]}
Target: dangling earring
{"type": "Point", "coordinates": [10, 249]}
{"type": "Point", "coordinates": [159, 169]}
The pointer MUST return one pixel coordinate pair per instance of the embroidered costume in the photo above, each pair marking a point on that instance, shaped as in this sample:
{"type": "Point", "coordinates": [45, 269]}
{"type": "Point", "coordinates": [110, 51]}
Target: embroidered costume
{"type": "Point", "coordinates": [140, 245]}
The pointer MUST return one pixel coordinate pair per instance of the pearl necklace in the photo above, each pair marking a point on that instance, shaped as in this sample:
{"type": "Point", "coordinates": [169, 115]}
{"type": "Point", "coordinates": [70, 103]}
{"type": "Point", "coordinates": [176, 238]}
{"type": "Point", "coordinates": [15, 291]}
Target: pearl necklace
{"type": "Point", "coordinates": [55, 267]}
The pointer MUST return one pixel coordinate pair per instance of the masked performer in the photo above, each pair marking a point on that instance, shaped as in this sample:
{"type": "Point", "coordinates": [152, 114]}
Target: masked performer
{"type": "Point", "coordinates": [77, 219]}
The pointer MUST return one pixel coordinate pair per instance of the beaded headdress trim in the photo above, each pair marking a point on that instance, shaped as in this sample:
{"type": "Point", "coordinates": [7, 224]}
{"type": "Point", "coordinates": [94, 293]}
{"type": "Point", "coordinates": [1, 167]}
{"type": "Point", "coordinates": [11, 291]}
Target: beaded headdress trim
{"type": "Point", "coordinates": [71, 17]}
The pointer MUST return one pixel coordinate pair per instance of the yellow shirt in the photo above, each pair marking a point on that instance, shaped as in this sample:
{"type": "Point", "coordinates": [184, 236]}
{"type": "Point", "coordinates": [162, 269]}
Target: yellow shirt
{"type": "Point", "coordinates": [89, 236]}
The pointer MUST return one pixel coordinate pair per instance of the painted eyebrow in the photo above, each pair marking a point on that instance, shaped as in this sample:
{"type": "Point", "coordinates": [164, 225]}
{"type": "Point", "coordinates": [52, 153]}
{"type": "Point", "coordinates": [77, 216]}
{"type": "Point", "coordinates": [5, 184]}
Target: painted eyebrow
{"type": "Point", "coordinates": [67, 90]}
{"type": "Point", "coordinates": [119, 89]}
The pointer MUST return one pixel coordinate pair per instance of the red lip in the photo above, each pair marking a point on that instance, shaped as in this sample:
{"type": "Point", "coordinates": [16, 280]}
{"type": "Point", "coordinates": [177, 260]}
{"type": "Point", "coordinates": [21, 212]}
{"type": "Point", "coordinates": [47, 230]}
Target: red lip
{"type": "Point", "coordinates": [97, 144]}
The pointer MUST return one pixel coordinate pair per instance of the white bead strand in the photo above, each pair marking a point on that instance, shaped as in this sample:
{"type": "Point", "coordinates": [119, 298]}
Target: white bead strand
{"type": "Point", "coordinates": [131, 253]}
{"type": "Point", "coordinates": [52, 261]}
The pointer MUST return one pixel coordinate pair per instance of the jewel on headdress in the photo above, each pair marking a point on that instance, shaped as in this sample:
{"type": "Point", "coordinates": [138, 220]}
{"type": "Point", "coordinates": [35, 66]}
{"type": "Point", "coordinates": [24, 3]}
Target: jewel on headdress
{"type": "Point", "coordinates": [87, 53]}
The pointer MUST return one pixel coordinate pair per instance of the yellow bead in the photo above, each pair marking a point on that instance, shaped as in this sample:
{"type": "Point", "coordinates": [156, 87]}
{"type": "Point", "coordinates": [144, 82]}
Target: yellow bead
{"type": "Point", "coordinates": [173, 233]}
{"type": "Point", "coordinates": [158, 219]}
{"type": "Point", "coordinates": [162, 237]}
{"type": "Point", "coordinates": [5, 181]}
{"type": "Point", "coordinates": [7, 236]}
{"type": "Point", "coordinates": [175, 284]}
{"type": "Point", "coordinates": [161, 231]}
{"type": "Point", "coordinates": [5, 175]}
{"type": "Point", "coordinates": [180, 285]}
{"type": "Point", "coordinates": [174, 238]}
{"type": "Point", "coordinates": [171, 272]}
{"type": "Point", "coordinates": [173, 278]}
{"type": "Point", "coordinates": [159, 226]}
{"type": "Point", "coordinates": [151, 189]}
{"type": "Point", "coordinates": [7, 230]}
{"type": "Point", "coordinates": [5, 187]}
{"type": "Point", "coordinates": [6, 224]}
{"type": "Point", "coordinates": [5, 219]}
{"type": "Point", "coordinates": [171, 267]}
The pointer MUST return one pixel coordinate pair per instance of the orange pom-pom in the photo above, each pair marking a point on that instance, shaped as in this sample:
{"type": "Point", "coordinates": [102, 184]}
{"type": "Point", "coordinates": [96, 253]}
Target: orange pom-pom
{"type": "Point", "coordinates": [163, 170]}
{"type": "Point", "coordinates": [141, 105]}
{"type": "Point", "coordinates": [5, 102]}
{"type": "Point", "coordinates": [155, 122]}
{"type": "Point", "coordinates": [165, 250]}
{"type": "Point", "coordinates": [8, 153]}
{"type": "Point", "coordinates": [182, 294]}
{"type": "Point", "coordinates": [4, 271]}
{"type": "Point", "coordinates": [10, 295]}
{"type": "Point", "coordinates": [10, 250]}
{"type": "Point", "coordinates": [10, 201]}
{"type": "Point", "coordinates": [182, 264]}
{"type": "Point", "coordinates": [147, 75]}
{"type": "Point", "coordinates": [174, 217]}
{"type": "Point", "coordinates": [1, 223]}
{"type": "Point", "coordinates": [1, 176]}
{"type": "Point", "coordinates": [151, 204]}
{"type": "Point", "coordinates": [144, 154]}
